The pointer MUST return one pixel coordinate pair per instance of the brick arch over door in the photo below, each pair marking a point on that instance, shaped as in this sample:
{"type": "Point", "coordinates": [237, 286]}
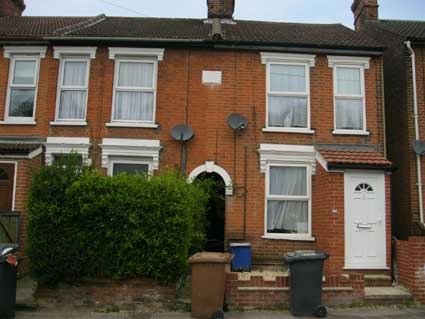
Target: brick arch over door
{"type": "Point", "coordinates": [210, 167]}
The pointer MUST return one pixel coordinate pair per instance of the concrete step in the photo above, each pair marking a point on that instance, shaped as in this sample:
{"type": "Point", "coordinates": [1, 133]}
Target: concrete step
{"type": "Point", "coordinates": [395, 295]}
{"type": "Point", "coordinates": [378, 281]}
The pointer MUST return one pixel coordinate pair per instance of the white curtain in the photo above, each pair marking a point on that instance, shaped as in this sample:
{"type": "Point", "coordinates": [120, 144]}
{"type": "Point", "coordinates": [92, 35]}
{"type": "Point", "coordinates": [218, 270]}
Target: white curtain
{"type": "Point", "coordinates": [24, 72]}
{"type": "Point", "coordinates": [134, 106]}
{"type": "Point", "coordinates": [72, 105]}
{"type": "Point", "coordinates": [287, 78]}
{"type": "Point", "coordinates": [348, 81]}
{"type": "Point", "coordinates": [285, 216]}
{"type": "Point", "coordinates": [135, 75]}
{"type": "Point", "coordinates": [75, 73]}
{"type": "Point", "coordinates": [349, 114]}
{"type": "Point", "coordinates": [287, 111]}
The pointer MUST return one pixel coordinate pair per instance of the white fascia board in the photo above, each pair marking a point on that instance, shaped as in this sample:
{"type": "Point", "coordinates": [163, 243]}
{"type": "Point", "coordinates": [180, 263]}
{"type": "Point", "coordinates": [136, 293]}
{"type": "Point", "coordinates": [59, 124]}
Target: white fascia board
{"type": "Point", "coordinates": [64, 50]}
{"type": "Point", "coordinates": [24, 50]}
{"type": "Point", "coordinates": [282, 153]}
{"type": "Point", "coordinates": [269, 57]}
{"type": "Point", "coordinates": [138, 52]}
{"type": "Point", "coordinates": [68, 140]}
{"type": "Point", "coordinates": [322, 161]}
{"type": "Point", "coordinates": [130, 148]}
{"type": "Point", "coordinates": [334, 60]}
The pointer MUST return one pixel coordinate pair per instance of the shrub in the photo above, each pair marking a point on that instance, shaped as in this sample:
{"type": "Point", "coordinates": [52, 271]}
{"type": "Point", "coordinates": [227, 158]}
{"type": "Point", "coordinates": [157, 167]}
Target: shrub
{"type": "Point", "coordinates": [113, 227]}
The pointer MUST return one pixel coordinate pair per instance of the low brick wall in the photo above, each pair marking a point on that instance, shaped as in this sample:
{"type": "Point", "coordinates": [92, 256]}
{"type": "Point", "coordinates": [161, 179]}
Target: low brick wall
{"type": "Point", "coordinates": [258, 292]}
{"type": "Point", "coordinates": [410, 260]}
{"type": "Point", "coordinates": [126, 295]}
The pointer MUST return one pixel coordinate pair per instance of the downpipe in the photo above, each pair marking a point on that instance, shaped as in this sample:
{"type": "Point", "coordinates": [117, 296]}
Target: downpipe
{"type": "Point", "coordinates": [415, 116]}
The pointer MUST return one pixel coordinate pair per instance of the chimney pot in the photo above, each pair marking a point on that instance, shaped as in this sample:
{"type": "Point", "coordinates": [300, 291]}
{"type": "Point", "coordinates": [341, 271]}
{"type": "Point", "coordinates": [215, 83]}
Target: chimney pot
{"type": "Point", "coordinates": [364, 10]}
{"type": "Point", "coordinates": [221, 9]}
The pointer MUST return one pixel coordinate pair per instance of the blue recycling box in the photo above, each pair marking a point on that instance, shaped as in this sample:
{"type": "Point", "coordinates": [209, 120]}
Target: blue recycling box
{"type": "Point", "coordinates": [242, 259]}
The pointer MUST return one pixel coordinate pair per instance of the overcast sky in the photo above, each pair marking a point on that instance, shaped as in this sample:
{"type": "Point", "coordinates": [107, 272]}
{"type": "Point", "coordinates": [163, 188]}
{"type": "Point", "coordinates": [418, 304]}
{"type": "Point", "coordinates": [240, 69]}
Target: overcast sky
{"type": "Point", "coordinates": [322, 11]}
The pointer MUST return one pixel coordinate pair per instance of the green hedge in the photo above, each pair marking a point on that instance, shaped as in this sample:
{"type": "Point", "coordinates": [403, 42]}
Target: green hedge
{"type": "Point", "coordinates": [83, 224]}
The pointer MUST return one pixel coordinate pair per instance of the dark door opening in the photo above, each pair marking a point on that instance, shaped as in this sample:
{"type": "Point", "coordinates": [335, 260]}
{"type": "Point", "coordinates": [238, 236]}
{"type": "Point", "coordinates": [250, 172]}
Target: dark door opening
{"type": "Point", "coordinates": [7, 174]}
{"type": "Point", "coordinates": [215, 212]}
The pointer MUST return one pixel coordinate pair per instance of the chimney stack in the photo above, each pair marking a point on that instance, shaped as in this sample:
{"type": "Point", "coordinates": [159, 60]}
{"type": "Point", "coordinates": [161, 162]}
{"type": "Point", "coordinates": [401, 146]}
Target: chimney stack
{"type": "Point", "coordinates": [364, 10]}
{"type": "Point", "coordinates": [12, 8]}
{"type": "Point", "coordinates": [220, 9]}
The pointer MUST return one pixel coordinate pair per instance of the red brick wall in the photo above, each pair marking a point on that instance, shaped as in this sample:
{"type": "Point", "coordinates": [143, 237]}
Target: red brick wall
{"type": "Point", "coordinates": [410, 259]}
{"type": "Point", "coordinates": [137, 294]}
{"type": "Point", "coordinates": [243, 91]}
{"type": "Point", "coordinates": [8, 8]}
{"type": "Point", "coordinates": [258, 293]}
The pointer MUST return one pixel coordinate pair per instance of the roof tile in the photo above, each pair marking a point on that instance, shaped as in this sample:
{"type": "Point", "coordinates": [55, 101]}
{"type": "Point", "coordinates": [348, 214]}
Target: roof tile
{"type": "Point", "coordinates": [355, 158]}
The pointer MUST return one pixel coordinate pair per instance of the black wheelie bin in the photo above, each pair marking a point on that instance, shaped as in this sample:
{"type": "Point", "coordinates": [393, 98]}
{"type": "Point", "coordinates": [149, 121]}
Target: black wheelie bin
{"type": "Point", "coordinates": [305, 275]}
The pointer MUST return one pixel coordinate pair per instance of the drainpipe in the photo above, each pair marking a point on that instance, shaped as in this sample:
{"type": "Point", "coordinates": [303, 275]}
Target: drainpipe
{"type": "Point", "coordinates": [415, 116]}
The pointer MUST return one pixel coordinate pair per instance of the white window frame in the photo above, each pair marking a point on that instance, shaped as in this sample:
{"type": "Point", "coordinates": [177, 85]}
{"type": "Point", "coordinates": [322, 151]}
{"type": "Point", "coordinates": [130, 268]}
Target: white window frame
{"type": "Point", "coordinates": [123, 160]}
{"type": "Point", "coordinates": [62, 87]}
{"type": "Point", "coordinates": [11, 86]}
{"type": "Point", "coordinates": [66, 145]}
{"type": "Point", "coordinates": [307, 197]}
{"type": "Point", "coordinates": [305, 60]}
{"type": "Point", "coordinates": [362, 64]}
{"type": "Point", "coordinates": [130, 151]}
{"type": "Point", "coordinates": [68, 53]}
{"type": "Point", "coordinates": [135, 55]}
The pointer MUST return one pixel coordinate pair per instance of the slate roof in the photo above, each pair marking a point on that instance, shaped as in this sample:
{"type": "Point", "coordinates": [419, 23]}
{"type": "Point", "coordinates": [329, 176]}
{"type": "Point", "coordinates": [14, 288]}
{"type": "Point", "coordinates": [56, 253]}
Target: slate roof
{"type": "Point", "coordinates": [336, 158]}
{"type": "Point", "coordinates": [163, 29]}
{"type": "Point", "coordinates": [17, 149]}
{"type": "Point", "coordinates": [406, 28]}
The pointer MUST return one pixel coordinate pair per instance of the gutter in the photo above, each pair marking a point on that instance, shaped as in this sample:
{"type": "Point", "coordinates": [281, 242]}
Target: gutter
{"type": "Point", "coordinates": [255, 46]}
{"type": "Point", "coordinates": [416, 120]}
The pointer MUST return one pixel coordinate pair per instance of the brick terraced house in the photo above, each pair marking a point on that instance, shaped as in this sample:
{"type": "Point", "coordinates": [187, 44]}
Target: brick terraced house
{"type": "Point", "coordinates": [309, 171]}
{"type": "Point", "coordinates": [404, 73]}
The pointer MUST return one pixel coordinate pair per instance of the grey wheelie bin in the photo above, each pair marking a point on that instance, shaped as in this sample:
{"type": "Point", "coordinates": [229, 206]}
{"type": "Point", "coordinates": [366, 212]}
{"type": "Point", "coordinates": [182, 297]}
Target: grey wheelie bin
{"type": "Point", "coordinates": [8, 272]}
{"type": "Point", "coordinates": [306, 273]}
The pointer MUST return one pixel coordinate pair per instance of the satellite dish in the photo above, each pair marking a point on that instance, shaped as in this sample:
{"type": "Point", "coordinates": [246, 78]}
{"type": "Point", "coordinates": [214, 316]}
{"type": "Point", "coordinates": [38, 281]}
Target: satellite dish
{"type": "Point", "coordinates": [419, 147]}
{"type": "Point", "coordinates": [182, 133]}
{"type": "Point", "coordinates": [237, 121]}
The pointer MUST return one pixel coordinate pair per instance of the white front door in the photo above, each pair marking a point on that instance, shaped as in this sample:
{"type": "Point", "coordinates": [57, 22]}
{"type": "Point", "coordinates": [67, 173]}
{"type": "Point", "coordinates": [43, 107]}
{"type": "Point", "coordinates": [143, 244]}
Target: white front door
{"type": "Point", "coordinates": [365, 220]}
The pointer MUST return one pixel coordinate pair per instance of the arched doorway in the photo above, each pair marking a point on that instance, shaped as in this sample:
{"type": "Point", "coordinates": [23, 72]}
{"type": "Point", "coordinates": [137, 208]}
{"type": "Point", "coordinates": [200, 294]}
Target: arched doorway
{"type": "Point", "coordinates": [215, 212]}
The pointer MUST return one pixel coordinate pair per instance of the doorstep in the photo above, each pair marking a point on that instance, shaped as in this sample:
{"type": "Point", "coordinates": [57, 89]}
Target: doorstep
{"type": "Point", "coordinates": [395, 295]}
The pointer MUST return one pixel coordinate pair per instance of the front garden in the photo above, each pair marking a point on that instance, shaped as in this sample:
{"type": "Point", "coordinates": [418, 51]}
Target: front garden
{"type": "Point", "coordinates": [83, 224]}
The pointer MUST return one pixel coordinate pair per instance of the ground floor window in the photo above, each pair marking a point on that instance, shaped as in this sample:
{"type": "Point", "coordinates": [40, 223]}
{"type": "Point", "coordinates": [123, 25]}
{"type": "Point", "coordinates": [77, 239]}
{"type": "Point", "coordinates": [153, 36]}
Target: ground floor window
{"type": "Point", "coordinates": [130, 167]}
{"type": "Point", "coordinates": [288, 200]}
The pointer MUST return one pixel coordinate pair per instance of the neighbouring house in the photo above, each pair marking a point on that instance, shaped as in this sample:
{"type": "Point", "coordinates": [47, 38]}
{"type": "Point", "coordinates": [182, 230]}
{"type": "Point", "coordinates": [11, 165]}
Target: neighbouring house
{"type": "Point", "coordinates": [404, 74]}
{"type": "Point", "coordinates": [309, 171]}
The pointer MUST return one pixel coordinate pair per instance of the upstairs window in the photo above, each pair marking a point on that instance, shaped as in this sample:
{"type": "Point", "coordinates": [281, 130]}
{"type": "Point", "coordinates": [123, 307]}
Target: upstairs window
{"type": "Point", "coordinates": [288, 96]}
{"type": "Point", "coordinates": [134, 91]}
{"type": "Point", "coordinates": [349, 94]}
{"type": "Point", "coordinates": [24, 69]}
{"type": "Point", "coordinates": [288, 92]}
{"type": "Point", "coordinates": [73, 84]}
{"type": "Point", "coordinates": [73, 89]}
{"type": "Point", "coordinates": [22, 88]}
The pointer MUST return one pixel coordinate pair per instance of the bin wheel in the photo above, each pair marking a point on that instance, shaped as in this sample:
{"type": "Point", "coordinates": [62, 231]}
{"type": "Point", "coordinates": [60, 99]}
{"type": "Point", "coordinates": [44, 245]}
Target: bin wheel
{"type": "Point", "coordinates": [218, 315]}
{"type": "Point", "coordinates": [321, 312]}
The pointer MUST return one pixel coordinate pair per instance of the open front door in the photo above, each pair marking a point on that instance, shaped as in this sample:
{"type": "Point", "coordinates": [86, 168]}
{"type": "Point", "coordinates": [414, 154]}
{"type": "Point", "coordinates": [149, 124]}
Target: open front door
{"type": "Point", "coordinates": [365, 221]}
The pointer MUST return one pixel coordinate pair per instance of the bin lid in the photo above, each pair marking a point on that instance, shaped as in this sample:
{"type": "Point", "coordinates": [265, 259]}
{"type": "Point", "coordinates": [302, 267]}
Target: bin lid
{"type": "Point", "coordinates": [7, 249]}
{"type": "Point", "coordinates": [240, 245]}
{"type": "Point", "coordinates": [302, 255]}
{"type": "Point", "coordinates": [213, 258]}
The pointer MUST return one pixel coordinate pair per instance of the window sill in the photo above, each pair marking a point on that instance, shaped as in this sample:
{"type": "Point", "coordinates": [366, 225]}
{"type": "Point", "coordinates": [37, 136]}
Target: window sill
{"type": "Point", "coordinates": [350, 132]}
{"type": "Point", "coordinates": [68, 123]}
{"type": "Point", "coordinates": [10, 122]}
{"type": "Point", "coordinates": [289, 237]}
{"type": "Point", "coordinates": [132, 124]}
{"type": "Point", "coordinates": [288, 130]}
